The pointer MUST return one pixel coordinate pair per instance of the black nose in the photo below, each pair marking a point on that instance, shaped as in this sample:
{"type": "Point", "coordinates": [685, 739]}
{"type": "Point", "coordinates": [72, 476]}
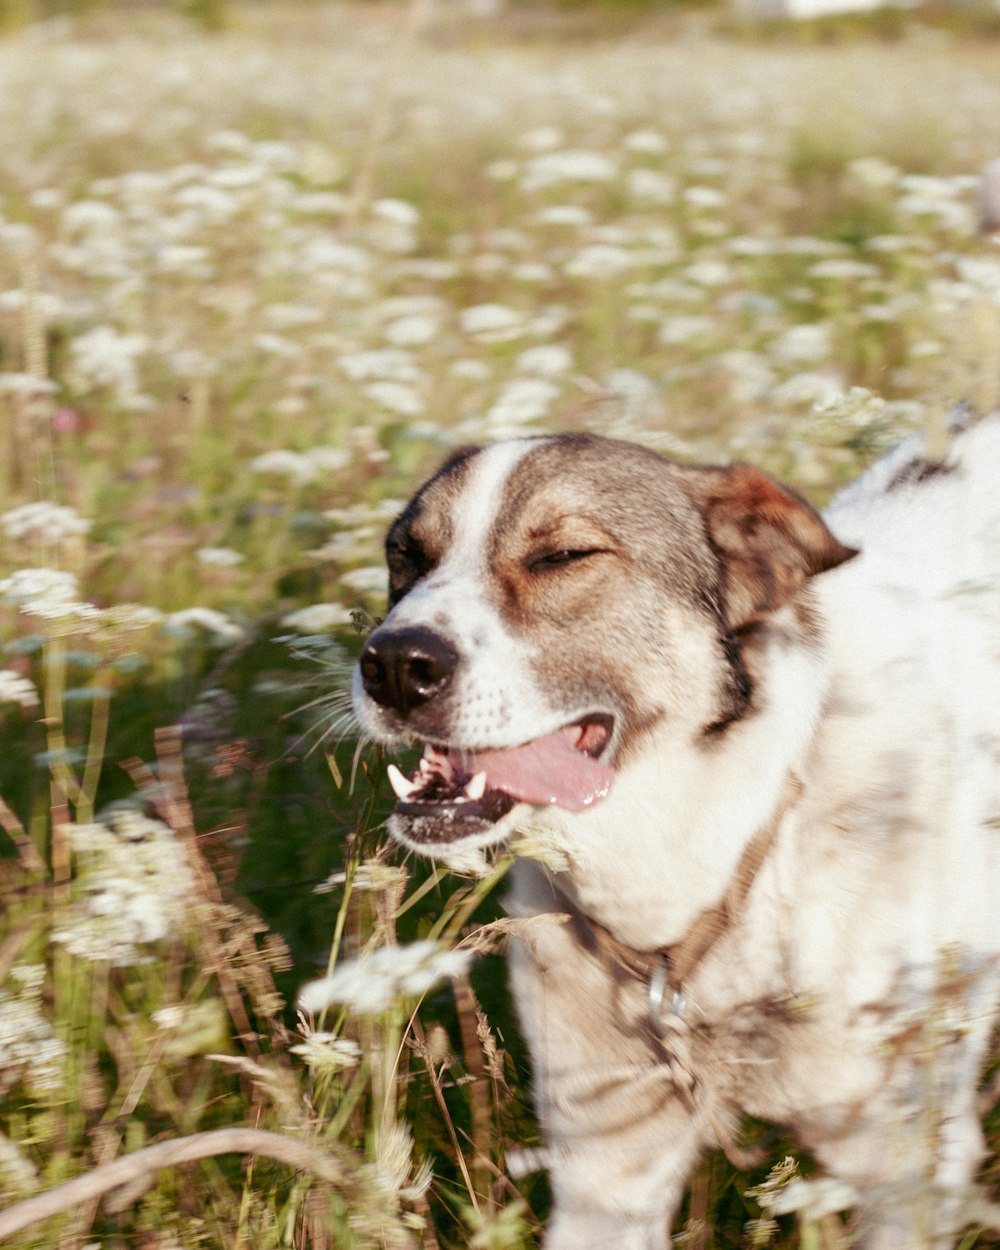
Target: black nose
{"type": "Point", "coordinates": [405, 668]}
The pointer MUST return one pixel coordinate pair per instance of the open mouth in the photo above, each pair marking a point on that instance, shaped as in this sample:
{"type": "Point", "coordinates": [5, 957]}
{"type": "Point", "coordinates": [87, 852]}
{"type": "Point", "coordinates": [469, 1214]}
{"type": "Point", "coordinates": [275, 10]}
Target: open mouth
{"type": "Point", "coordinates": [456, 794]}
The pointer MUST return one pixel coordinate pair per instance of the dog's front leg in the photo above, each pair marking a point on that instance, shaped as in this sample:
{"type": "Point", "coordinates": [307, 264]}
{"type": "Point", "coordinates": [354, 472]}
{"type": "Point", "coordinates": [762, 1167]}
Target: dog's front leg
{"type": "Point", "coordinates": [622, 1139]}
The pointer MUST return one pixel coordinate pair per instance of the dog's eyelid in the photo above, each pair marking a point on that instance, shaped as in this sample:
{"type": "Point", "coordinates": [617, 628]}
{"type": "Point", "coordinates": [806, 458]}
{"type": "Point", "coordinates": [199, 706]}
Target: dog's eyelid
{"type": "Point", "coordinates": [559, 557]}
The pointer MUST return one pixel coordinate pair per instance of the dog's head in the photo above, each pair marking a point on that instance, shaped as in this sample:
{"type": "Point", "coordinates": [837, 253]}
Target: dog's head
{"type": "Point", "coordinates": [557, 602]}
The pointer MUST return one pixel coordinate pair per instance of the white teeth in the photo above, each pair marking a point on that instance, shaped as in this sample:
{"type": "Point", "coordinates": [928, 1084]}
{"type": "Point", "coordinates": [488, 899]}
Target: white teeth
{"type": "Point", "coordinates": [475, 788]}
{"type": "Point", "coordinates": [425, 767]}
{"type": "Point", "coordinates": [402, 787]}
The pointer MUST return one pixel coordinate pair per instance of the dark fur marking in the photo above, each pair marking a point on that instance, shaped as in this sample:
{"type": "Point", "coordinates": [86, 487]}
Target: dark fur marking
{"type": "Point", "coordinates": [419, 535]}
{"type": "Point", "coordinates": [919, 470]}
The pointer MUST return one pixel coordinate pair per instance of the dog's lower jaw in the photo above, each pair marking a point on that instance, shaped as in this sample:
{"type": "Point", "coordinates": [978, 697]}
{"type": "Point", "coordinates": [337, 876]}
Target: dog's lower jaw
{"type": "Point", "coordinates": [432, 837]}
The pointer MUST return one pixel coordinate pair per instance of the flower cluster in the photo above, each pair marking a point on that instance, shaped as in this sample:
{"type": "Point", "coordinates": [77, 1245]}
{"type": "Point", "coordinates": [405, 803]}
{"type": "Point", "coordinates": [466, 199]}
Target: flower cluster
{"type": "Point", "coordinates": [133, 885]}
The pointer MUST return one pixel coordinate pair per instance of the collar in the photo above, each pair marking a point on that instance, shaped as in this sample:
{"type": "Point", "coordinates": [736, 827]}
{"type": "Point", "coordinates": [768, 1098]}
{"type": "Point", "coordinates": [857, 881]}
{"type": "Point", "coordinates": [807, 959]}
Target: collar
{"type": "Point", "coordinates": [667, 969]}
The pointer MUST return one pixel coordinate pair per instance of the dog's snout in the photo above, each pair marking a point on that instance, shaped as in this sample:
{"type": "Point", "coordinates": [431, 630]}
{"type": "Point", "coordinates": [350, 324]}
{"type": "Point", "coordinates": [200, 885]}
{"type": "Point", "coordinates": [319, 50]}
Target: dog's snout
{"type": "Point", "coordinates": [405, 668]}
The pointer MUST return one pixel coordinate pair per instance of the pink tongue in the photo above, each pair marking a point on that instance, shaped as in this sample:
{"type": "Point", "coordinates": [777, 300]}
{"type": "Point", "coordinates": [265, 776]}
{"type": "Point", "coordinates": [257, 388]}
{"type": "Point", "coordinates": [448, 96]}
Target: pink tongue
{"type": "Point", "coordinates": [547, 771]}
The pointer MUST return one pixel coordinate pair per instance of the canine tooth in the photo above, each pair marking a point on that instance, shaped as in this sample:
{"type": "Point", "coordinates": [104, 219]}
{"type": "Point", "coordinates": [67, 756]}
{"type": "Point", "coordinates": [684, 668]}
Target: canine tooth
{"type": "Point", "coordinates": [475, 788]}
{"type": "Point", "coordinates": [402, 786]}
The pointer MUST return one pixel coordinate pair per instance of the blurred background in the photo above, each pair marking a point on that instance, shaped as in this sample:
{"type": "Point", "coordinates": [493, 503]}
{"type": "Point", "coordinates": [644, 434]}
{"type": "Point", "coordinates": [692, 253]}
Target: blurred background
{"type": "Point", "coordinates": [261, 266]}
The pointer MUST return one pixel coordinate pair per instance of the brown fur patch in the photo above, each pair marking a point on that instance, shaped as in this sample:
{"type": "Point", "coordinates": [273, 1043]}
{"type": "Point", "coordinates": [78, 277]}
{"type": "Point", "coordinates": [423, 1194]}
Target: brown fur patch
{"type": "Point", "coordinates": [769, 540]}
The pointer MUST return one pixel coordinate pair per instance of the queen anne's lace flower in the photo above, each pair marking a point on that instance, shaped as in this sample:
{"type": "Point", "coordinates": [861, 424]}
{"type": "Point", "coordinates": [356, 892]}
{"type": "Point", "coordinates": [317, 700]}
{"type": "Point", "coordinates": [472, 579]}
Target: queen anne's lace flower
{"type": "Point", "coordinates": [133, 884]}
{"type": "Point", "coordinates": [371, 984]}
{"type": "Point", "coordinates": [17, 689]}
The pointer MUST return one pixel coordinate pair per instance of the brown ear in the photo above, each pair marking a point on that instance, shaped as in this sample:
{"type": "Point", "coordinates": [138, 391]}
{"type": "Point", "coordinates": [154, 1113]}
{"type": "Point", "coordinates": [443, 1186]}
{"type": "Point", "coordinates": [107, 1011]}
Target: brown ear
{"type": "Point", "coordinates": [770, 541]}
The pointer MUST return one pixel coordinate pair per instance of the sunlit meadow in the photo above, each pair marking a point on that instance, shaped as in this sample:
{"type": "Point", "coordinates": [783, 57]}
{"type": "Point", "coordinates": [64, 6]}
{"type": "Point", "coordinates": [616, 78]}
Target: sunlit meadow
{"type": "Point", "coordinates": [252, 284]}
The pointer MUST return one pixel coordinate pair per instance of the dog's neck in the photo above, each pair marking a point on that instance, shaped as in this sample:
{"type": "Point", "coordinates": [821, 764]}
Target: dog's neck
{"type": "Point", "coordinates": [685, 814]}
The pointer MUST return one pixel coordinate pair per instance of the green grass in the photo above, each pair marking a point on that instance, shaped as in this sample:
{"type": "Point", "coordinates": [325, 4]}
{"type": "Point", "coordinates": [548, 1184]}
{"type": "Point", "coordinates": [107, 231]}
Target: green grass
{"type": "Point", "coordinates": [188, 286]}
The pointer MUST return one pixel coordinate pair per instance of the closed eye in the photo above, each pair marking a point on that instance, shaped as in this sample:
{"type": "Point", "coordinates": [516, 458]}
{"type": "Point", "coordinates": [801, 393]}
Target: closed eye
{"type": "Point", "coordinates": [545, 561]}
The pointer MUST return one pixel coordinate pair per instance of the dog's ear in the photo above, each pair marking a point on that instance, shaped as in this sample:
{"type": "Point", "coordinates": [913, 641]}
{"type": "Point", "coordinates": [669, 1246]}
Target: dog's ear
{"type": "Point", "coordinates": [769, 540]}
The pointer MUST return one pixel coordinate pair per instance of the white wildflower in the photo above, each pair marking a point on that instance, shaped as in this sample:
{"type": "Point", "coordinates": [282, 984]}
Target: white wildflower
{"type": "Point", "coordinates": [648, 142]}
{"type": "Point", "coordinates": [541, 139]}
{"type": "Point", "coordinates": [320, 252]}
{"type": "Point", "coordinates": [570, 165]}
{"type": "Point", "coordinates": [233, 142]}
{"type": "Point", "coordinates": [215, 204]}
{"type": "Point", "coordinates": [121, 620]}
{"type": "Point", "coordinates": [704, 197]}
{"type": "Point", "coordinates": [26, 385]}
{"type": "Point", "coordinates": [17, 1172]}
{"type": "Point", "coordinates": [470, 370]}
{"type": "Point", "coordinates": [47, 198]}
{"type": "Point", "coordinates": [326, 1052]}
{"type": "Point", "coordinates": [133, 883]}
{"type": "Point", "coordinates": [169, 1018]}
{"type": "Point", "coordinates": [34, 590]}
{"type": "Point", "coordinates": [289, 316]}
{"type": "Point", "coordinates": [600, 260]}
{"type": "Point", "coordinates": [104, 357]}
{"type": "Point", "coordinates": [318, 618]}
{"type": "Point", "coordinates": [290, 406]}
{"type": "Point", "coordinates": [17, 689]}
{"type": "Point", "coordinates": [391, 364]}
{"type": "Point", "coordinates": [291, 464]}
{"type": "Point", "coordinates": [681, 329]}
{"type": "Point", "coordinates": [187, 259]}
{"type": "Point", "coordinates": [492, 323]}
{"type": "Point", "coordinates": [371, 580]}
{"type": "Point", "coordinates": [803, 344]}
{"type": "Point", "coordinates": [639, 395]}
{"type": "Point", "coordinates": [806, 389]}
{"type": "Point", "coordinates": [411, 331]}
{"type": "Point", "coordinates": [549, 360]}
{"type": "Point", "coordinates": [396, 397]}
{"type": "Point", "coordinates": [370, 984]}
{"type": "Point", "coordinates": [564, 215]}
{"type": "Point", "coordinates": [522, 400]}
{"type": "Point", "coordinates": [980, 272]}
{"type": "Point", "coordinates": [43, 522]}
{"type": "Point", "coordinates": [873, 172]}
{"type": "Point", "coordinates": [87, 215]}
{"type": "Point", "coordinates": [532, 271]}
{"type": "Point", "coordinates": [347, 545]}
{"type": "Point", "coordinates": [28, 1046]}
{"type": "Point", "coordinates": [748, 374]}
{"type": "Point", "coordinates": [220, 629]}
{"type": "Point", "coordinates": [328, 459]}
{"type": "Point", "coordinates": [398, 212]}
{"type": "Point", "coordinates": [846, 412]}
{"type": "Point", "coordinates": [844, 268]}
{"type": "Point", "coordinates": [319, 203]}
{"type": "Point", "coordinates": [18, 238]}
{"type": "Point", "coordinates": [935, 197]}
{"type": "Point", "coordinates": [219, 557]}
{"type": "Point", "coordinates": [709, 272]}
{"type": "Point", "coordinates": [650, 186]}
{"type": "Point", "coordinates": [277, 345]}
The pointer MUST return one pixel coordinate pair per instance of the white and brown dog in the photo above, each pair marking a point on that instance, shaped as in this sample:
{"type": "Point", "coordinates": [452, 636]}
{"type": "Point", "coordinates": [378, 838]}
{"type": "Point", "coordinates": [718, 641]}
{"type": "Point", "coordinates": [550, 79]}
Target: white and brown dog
{"type": "Point", "coordinates": [765, 746]}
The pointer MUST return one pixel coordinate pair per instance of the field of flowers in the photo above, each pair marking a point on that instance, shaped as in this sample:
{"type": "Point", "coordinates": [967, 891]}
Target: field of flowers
{"type": "Point", "coordinates": [252, 285]}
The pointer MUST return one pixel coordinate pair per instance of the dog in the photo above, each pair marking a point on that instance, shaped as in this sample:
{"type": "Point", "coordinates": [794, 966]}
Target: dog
{"type": "Point", "coordinates": [759, 749]}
